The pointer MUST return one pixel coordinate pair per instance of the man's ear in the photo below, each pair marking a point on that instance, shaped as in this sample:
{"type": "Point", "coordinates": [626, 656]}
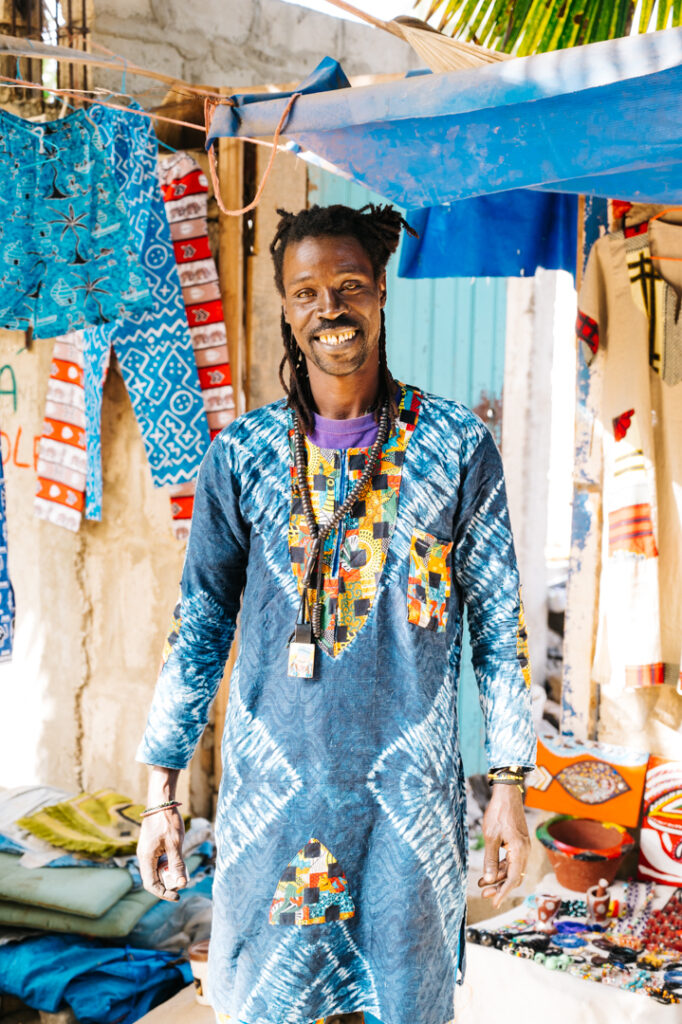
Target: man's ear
{"type": "Point", "coordinates": [382, 289]}
{"type": "Point", "coordinates": [284, 310]}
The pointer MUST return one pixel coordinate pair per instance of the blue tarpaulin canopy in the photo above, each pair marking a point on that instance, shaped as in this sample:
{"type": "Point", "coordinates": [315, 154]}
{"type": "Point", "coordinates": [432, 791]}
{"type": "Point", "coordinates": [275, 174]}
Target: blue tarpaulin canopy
{"type": "Point", "coordinates": [604, 119]}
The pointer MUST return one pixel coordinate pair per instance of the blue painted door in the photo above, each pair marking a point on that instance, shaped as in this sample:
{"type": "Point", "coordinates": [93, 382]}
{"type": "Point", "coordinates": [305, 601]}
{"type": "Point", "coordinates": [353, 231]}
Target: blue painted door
{"type": "Point", "coordinates": [446, 336]}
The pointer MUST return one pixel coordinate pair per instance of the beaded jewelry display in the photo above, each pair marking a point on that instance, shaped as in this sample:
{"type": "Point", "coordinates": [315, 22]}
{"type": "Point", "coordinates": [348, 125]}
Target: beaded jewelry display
{"type": "Point", "coordinates": [621, 961]}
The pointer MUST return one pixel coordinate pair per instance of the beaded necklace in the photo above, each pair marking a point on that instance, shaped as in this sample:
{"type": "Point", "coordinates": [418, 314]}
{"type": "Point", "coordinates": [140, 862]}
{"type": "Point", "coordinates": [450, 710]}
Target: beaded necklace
{"type": "Point", "coordinates": [628, 930]}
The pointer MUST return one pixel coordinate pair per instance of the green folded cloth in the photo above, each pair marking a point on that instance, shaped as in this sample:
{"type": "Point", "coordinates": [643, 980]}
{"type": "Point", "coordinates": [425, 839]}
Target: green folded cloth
{"type": "Point", "coordinates": [103, 824]}
{"type": "Point", "coordinates": [86, 892]}
{"type": "Point", "coordinates": [116, 923]}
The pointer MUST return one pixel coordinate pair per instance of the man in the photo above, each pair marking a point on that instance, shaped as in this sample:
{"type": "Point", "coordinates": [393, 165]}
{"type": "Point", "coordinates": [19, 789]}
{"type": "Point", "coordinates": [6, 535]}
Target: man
{"type": "Point", "coordinates": [352, 521]}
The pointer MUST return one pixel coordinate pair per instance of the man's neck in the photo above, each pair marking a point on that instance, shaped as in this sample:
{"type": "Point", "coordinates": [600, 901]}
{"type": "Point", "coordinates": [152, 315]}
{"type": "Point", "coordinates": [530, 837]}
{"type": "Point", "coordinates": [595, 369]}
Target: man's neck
{"type": "Point", "coordinates": [344, 398]}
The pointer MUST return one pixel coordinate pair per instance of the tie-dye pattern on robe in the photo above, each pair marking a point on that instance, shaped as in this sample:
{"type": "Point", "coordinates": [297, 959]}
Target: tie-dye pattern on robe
{"type": "Point", "coordinates": [342, 799]}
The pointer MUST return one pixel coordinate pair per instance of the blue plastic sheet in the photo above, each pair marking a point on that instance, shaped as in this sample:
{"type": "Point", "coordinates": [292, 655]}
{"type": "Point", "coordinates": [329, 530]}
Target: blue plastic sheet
{"type": "Point", "coordinates": [102, 984]}
{"type": "Point", "coordinates": [603, 120]}
{"type": "Point", "coordinates": [505, 235]}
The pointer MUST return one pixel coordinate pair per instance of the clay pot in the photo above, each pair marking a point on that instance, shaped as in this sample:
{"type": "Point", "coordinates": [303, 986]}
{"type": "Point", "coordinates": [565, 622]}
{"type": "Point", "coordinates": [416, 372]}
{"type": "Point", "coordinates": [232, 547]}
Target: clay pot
{"type": "Point", "coordinates": [198, 958]}
{"type": "Point", "coordinates": [582, 852]}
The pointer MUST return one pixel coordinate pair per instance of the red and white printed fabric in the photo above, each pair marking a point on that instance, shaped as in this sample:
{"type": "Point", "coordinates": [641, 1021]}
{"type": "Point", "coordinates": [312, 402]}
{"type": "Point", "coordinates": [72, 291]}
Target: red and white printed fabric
{"type": "Point", "coordinates": [62, 459]}
{"type": "Point", "coordinates": [185, 192]}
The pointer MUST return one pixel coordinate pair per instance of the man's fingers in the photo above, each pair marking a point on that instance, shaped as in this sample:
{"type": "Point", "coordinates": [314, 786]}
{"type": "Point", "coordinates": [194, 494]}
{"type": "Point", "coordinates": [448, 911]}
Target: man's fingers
{"type": "Point", "coordinates": [488, 888]}
{"type": "Point", "coordinates": [148, 864]}
{"type": "Point", "coordinates": [491, 860]}
{"type": "Point", "coordinates": [159, 890]}
{"type": "Point", "coordinates": [176, 871]}
{"type": "Point", "coordinates": [516, 863]}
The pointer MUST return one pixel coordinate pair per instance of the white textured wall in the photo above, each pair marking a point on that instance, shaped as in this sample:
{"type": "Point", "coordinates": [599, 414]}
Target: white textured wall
{"type": "Point", "coordinates": [238, 43]}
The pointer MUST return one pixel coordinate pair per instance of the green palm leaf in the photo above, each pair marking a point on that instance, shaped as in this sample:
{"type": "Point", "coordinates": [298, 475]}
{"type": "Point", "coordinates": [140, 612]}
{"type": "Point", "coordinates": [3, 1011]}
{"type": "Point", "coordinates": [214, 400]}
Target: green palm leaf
{"type": "Point", "coordinates": [536, 26]}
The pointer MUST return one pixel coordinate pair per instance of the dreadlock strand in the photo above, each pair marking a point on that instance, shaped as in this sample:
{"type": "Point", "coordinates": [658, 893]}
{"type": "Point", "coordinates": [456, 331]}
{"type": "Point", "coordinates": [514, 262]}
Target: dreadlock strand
{"type": "Point", "coordinates": [297, 390]}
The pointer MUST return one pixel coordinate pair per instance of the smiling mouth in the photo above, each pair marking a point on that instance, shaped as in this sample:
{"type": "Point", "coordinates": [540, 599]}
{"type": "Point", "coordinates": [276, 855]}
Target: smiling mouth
{"type": "Point", "coordinates": [332, 339]}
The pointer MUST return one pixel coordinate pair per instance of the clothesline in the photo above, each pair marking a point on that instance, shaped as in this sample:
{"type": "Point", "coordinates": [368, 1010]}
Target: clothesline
{"type": "Point", "coordinates": [16, 47]}
{"type": "Point", "coordinates": [79, 94]}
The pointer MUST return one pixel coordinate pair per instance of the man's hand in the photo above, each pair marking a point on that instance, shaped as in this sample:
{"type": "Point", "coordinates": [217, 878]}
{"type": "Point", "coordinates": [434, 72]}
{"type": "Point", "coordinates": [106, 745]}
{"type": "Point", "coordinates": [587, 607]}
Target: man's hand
{"type": "Point", "coordinates": [504, 824]}
{"type": "Point", "coordinates": [162, 835]}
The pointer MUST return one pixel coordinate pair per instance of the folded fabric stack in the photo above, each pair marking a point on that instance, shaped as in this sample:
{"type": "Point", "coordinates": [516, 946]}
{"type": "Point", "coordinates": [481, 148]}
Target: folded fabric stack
{"type": "Point", "coordinates": [68, 867]}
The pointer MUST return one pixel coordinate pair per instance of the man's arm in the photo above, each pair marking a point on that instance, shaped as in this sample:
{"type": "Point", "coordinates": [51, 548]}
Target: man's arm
{"type": "Point", "coordinates": [212, 582]}
{"type": "Point", "coordinates": [486, 571]}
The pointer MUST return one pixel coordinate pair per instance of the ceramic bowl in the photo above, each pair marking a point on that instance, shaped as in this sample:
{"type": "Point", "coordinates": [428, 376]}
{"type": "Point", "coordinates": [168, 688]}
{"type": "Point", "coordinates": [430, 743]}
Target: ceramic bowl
{"type": "Point", "coordinates": [582, 851]}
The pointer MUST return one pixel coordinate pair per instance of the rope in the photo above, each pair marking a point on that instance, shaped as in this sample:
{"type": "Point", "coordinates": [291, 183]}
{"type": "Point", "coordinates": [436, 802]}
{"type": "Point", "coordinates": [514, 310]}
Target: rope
{"type": "Point", "coordinates": [209, 110]}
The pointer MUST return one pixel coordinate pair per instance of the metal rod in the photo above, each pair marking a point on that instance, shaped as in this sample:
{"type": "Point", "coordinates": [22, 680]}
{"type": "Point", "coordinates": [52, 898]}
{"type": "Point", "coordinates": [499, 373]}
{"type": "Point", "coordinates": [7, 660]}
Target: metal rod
{"type": "Point", "coordinates": [84, 32]}
{"type": "Point", "coordinates": [69, 28]}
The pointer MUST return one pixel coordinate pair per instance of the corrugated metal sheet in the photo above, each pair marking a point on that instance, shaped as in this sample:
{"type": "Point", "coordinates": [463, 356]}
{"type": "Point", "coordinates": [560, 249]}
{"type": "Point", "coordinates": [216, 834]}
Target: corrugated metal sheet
{"type": "Point", "coordinates": [446, 336]}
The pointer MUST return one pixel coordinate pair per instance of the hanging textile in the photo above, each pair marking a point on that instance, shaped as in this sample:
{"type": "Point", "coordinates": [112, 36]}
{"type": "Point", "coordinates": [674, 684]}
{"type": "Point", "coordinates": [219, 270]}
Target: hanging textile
{"type": "Point", "coordinates": [629, 324]}
{"type": "Point", "coordinates": [509, 234]}
{"type": "Point", "coordinates": [67, 258]}
{"type": "Point", "coordinates": [154, 349]}
{"type": "Point", "coordinates": [6, 590]}
{"type": "Point", "coordinates": [61, 450]}
{"type": "Point", "coordinates": [185, 192]}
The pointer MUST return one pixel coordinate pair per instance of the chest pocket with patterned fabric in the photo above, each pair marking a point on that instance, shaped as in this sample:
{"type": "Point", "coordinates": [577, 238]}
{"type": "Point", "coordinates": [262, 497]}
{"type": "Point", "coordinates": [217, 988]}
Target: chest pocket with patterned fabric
{"type": "Point", "coordinates": [429, 582]}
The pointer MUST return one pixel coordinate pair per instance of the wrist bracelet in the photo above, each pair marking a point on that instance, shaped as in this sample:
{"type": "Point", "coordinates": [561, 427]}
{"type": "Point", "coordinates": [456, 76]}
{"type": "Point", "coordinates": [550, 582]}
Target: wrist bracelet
{"type": "Point", "coordinates": [168, 806]}
{"type": "Point", "coordinates": [508, 782]}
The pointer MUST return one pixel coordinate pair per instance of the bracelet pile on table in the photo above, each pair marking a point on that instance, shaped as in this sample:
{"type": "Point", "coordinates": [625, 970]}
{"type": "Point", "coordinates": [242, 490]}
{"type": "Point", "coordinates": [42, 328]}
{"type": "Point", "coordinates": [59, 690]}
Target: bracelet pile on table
{"type": "Point", "coordinates": [639, 950]}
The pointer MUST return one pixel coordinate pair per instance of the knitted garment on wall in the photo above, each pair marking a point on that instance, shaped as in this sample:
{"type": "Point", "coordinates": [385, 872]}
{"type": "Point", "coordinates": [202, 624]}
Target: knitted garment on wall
{"type": "Point", "coordinates": [185, 192]}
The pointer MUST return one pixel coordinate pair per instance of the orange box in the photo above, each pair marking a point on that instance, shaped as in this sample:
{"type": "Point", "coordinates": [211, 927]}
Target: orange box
{"type": "Point", "coordinates": [588, 779]}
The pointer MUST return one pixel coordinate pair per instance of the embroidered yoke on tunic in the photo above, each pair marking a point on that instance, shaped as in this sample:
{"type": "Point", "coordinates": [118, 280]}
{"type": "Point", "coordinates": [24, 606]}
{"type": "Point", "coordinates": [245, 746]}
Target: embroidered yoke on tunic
{"type": "Point", "coordinates": [341, 831]}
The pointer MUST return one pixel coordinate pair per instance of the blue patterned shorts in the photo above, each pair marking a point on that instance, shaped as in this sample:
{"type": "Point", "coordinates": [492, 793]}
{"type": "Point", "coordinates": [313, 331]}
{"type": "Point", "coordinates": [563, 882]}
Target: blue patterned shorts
{"type": "Point", "coordinates": [66, 258]}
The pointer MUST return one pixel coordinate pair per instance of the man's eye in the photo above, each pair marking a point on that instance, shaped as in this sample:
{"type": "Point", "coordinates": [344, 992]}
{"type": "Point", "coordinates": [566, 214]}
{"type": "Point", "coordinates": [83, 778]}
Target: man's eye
{"type": "Point", "coordinates": [305, 294]}
{"type": "Point", "coordinates": [351, 285]}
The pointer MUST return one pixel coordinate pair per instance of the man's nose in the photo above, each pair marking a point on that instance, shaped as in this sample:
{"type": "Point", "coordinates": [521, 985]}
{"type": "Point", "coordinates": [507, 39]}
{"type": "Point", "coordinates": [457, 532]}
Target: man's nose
{"type": "Point", "coordinates": [332, 304]}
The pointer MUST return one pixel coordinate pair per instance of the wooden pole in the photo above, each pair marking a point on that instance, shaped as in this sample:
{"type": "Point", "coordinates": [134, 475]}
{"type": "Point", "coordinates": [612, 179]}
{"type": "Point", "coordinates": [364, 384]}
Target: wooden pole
{"type": "Point", "coordinates": [231, 279]}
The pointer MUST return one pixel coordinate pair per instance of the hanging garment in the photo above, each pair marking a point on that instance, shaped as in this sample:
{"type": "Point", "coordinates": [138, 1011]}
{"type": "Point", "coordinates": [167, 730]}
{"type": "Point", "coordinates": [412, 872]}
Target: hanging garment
{"type": "Point", "coordinates": [185, 192]}
{"type": "Point", "coordinates": [341, 825]}
{"type": "Point", "coordinates": [631, 331]}
{"type": "Point", "coordinates": [6, 590]}
{"type": "Point", "coordinates": [154, 349]}
{"type": "Point", "coordinates": [66, 254]}
{"type": "Point", "coordinates": [62, 457]}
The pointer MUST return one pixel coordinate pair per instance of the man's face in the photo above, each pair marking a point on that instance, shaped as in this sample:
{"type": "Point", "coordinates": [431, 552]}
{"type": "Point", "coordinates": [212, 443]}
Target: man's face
{"type": "Point", "coordinates": [332, 302]}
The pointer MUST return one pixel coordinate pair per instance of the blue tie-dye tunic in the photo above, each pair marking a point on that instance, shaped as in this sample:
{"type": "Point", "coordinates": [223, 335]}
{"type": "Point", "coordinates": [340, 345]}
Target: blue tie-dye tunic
{"type": "Point", "coordinates": [342, 848]}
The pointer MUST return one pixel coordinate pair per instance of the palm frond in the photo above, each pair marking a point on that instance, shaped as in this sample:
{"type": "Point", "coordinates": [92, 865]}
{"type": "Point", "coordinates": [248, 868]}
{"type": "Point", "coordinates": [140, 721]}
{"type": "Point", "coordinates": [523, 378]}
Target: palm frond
{"type": "Point", "coordinates": [536, 26]}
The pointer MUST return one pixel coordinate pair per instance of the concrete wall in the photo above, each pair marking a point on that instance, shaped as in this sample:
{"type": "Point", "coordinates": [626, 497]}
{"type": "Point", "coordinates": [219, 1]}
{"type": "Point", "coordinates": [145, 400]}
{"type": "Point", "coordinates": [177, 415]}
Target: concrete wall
{"type": "Point", "coordinates": [92, 606]}
{"type": "Point", "coordinates": [233, 43]}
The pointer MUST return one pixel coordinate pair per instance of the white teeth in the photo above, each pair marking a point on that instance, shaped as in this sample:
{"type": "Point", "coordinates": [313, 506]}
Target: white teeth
{"type": "Point", "coordinates": [336, 339]}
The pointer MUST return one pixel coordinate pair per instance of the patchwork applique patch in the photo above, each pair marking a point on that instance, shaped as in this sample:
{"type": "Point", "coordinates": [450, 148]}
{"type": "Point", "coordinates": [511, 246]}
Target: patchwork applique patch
{"type": "Point", "coordinates": [312, 890]}
{"type": "Point", "coordinates": [522, 652]}
{"type": "Point", "coordinates": [173, 633]}
{"type": "Point", "coordinates": [353, 556]}
{"type": "Point", "coordinates": [631, 529]}
{"type": "Point", "coordinates": [429, 582]}
{"type": "Point", "coordinates": [587, 330]}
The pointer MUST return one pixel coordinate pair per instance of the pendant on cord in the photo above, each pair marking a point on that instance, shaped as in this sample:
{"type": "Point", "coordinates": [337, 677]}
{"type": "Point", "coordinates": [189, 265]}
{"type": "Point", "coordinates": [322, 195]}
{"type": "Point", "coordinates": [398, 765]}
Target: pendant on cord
{"type": "Point", "coordinates": [302, 642]}
{"type": "Point", "coordinates": [302, 652]}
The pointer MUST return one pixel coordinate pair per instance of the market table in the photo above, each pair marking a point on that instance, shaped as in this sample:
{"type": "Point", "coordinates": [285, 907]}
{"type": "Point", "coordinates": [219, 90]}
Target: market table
{"type": "Point", "coordinates": [509, 989]}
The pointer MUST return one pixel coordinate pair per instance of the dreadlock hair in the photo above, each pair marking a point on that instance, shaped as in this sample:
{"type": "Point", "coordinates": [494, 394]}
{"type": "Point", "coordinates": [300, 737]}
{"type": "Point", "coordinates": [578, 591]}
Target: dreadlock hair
{"type": "Point", "coordinates": [377, 229]}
